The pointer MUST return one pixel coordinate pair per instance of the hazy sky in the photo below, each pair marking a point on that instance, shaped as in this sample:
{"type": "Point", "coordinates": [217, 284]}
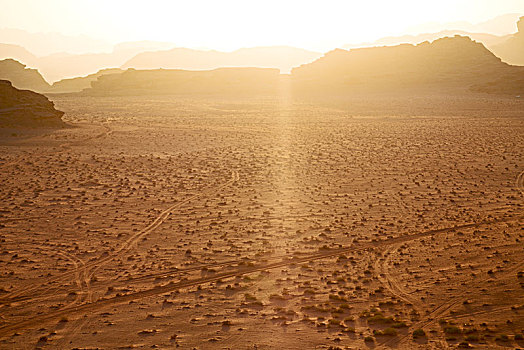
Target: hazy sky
{"type": "Point", "coordinates": [230, 24]}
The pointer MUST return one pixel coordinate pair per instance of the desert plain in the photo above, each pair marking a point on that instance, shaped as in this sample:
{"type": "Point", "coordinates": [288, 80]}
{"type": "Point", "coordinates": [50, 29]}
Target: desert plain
{"type": "Point", "coordinates": [372, 222]}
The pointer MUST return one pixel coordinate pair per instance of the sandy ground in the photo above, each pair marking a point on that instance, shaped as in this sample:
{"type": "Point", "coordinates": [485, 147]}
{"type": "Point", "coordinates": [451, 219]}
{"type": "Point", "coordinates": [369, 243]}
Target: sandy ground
{"type": "Point", "coordinates": [207, 223]}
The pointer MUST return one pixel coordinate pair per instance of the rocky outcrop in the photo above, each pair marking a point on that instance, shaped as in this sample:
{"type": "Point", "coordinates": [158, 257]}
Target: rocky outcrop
{"type": "Point", "coordinates": [22, 77]}
{"type": "Point", "coordinates": [81, 83]}
{"type": "Point", "coordinates": [238, 81]}
{"type": "Point", "coordinates": [450, 63]}
{"type": "Point", "coordinates": [512, 50]}
{"type": "Point", "coordinates": [24, 108]}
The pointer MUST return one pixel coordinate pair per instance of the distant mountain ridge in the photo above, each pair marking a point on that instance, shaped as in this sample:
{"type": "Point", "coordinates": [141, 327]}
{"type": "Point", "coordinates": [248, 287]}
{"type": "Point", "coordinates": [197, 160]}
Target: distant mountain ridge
{"type": "Point", "coordinates": [283, 58]}
{"type": "Point", "coordinates": [58, 66]}
{"type": "Point", "coordinates": [486, 39]}
{"type": "Point", "coordinates": [43, 44]}
{"type": "Point", "coordinates": [447, 64]}
{"type": "Point", "coordinates": [500, 26]}
{"type": "Point", "coordinates": [510, 47]}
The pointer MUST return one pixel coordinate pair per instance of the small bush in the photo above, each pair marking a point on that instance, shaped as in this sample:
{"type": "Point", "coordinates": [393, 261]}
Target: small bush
{"type": "Point", "coordinates": [418, 333]}
{"type": "Point", "coordinates": [390, 332]}
{"type": "Point", "coordinates": [472, 337]}
{"type": "Point", "coordinates": [452, 330]}
{"type": "Point", "coordinates": [399, 324]}
{"type": "Point", "coordinates": [502, 338]}
{"type": "Point", "coordinates": [332, 322]}
{"type": "Point", "coordinates": [379, 319]}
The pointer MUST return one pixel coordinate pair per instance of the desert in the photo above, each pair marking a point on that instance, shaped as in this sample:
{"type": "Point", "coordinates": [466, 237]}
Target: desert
{"type": "Point", "coordinates": [217, 223]}
{"type": "Point", "coordinates": [241, 175]}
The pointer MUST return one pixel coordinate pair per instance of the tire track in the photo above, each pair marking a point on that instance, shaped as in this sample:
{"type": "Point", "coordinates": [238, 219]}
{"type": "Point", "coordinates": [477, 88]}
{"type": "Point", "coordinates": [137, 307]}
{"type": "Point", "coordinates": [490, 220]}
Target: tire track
{"type": "Point", "coordinates": [443, 308]}
{"type": "Point", "coordinates": [519, 182]}
{"type": "Point", "coordinates": [6, 330]}
{"type": "Point", "coordinates": [78, 280]}
{"type": "Point", "coordinates": [381, 266]}
{"type": "Point", "coordinates": [90, 268]}
{"type": "Point", "coordinates": [10, 297]}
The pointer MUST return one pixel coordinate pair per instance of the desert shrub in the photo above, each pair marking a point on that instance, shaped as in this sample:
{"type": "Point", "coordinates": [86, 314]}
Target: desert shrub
{"type": "Point", "coordinates": [380, 319]}
{"type": "Point", "coordinates": [399, 324]}
{"type": "Point", "coordinates": [472, 337]}
{"type": "Point", "coordinates": [333, 322]}
{"type": "Point", "coordinates": [369, 339]}
{"type": "Point", "coordinates": [519, 337]}
{"type": "Point", "coordinates": [419, 332]}
{"type": "Point", "coordinates": [250, 297]}
{"type": "Point", "coordinates": [502, 338]}
{"type": "Point", "coordinates": [452, 330]}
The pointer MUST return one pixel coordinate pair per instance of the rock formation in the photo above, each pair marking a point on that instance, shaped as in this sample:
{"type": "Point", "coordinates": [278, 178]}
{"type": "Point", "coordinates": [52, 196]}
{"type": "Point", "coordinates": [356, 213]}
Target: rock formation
{"type": "Point", "coordinates": [24, 108]}
{"type": "Point", "coordinates": [449, 63]}
{"type": "Point", "coordinates": [22, 77]}
{"type": "Point", "coordinates": [81, 83]}
{"type": "Point", "coordinates": [239, 81]}
{"type": "Point", "coordinates": [512, 50]}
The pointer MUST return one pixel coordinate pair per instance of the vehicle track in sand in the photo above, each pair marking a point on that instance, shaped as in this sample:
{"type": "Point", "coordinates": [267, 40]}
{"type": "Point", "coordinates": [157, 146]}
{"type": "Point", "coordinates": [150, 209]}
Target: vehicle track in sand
{"type": "Point", "coordinates": [85, 308]}
{"type": "Point", "coordinates": [63, 147]}
{"type": "Point", "coordinates": [440, 311]}
{"type": "Point", "coordinates": [81, 293]}
{"type": "Point", "coordinates": [396, 288]}
{"type": "Point", "coordinates": [88, 269]}
{"type": "Point", "coordinates": [519, 182]}
{"type": "Point", "coordinates": [392, 284]}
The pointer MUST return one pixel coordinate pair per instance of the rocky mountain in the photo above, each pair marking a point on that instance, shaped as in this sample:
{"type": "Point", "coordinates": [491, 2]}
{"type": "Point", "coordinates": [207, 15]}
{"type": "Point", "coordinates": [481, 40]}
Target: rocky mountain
{"type": "Point", "coordinates": [24, 108]}
{"type": "Point", "coordinates": [240, 81]}
{"type": "Point", "coordinates": [511, 50]}
{"type": "Point", "coordinates": [449, 63]}
{"type": "Point", "coordinates": [281, 57]}
{"type": "Point", "coordinates": [22, 77]}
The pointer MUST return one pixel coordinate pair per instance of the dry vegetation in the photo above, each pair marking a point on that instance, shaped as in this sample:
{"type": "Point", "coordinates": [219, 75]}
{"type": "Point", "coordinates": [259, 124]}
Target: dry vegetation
{"type": "Point", "coordinates": [260, 223]}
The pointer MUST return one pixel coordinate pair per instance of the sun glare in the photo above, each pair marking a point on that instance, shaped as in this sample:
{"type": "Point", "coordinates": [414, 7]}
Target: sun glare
{"type": "Point", "coordinates": [230, 24]}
